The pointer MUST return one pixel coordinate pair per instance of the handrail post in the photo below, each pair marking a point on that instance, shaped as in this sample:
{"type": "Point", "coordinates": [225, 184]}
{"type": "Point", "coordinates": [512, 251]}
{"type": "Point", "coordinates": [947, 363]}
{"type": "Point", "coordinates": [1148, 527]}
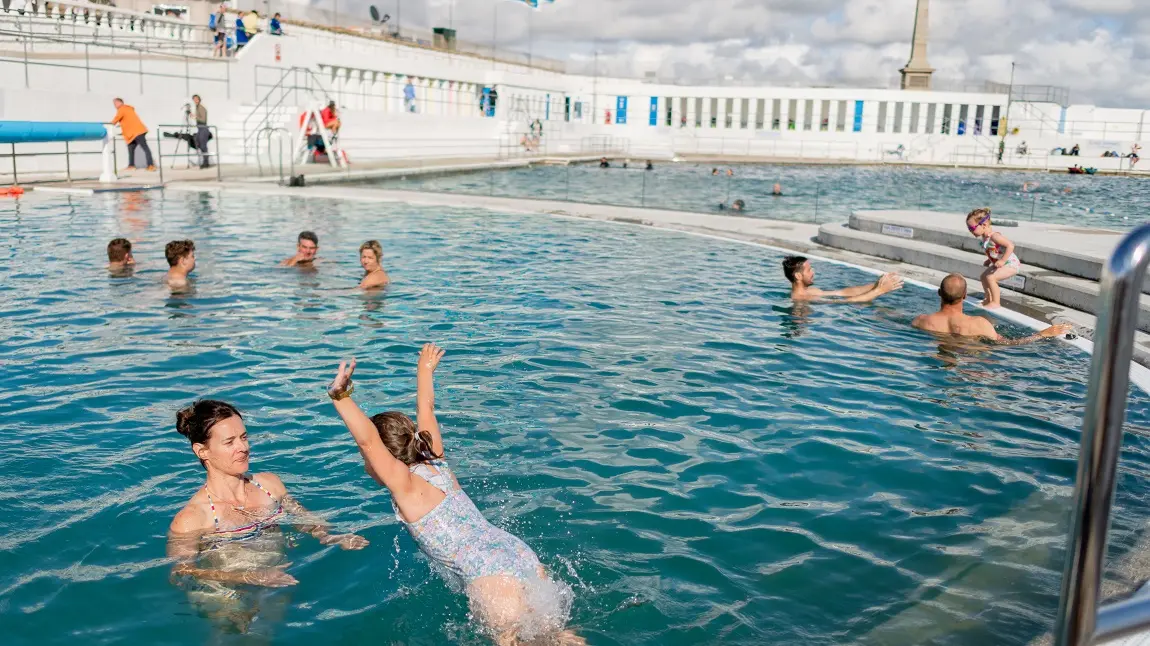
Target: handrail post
{"type": "Point", "coordinates": [216, 137]}
{"type": "Point", "coordinates": [67, 163]}
{"type": "Point", "coordinates": [15, 179]}
{"type": "Point", "coordinates": [1105, 413]}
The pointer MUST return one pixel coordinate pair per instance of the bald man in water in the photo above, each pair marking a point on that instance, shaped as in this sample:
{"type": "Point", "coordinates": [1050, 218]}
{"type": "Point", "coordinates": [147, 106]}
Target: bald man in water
{"type": "Point", "coordinates": [950, 319]}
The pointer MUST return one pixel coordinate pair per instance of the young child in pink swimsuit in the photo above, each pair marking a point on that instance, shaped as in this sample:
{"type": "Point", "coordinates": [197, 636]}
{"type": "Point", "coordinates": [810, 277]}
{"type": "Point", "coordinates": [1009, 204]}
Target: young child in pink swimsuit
{"type": "Point", "coordinates": [1001, 262]}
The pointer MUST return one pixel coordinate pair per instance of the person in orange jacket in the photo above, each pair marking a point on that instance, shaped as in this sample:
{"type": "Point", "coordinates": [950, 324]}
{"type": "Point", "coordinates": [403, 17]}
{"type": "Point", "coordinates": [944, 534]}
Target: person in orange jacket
{"type": "Point", "coordinates": [134, 131]}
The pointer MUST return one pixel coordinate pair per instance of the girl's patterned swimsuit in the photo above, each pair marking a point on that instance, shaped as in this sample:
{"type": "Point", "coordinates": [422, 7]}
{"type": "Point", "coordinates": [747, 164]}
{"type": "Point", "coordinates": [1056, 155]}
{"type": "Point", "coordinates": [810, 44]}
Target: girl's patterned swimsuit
{"type": "Point", "coordinates": [993, 251]}
{"type": "Point", "coordinates": [459, 540]}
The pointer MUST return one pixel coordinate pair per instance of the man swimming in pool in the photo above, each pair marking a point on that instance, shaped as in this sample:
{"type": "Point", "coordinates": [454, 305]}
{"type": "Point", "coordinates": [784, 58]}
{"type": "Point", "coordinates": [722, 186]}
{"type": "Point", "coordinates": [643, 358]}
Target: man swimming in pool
{"type": "Point", "coordinates": [181, 255]}
{"type": "Point", "coordinates": [120, 260]}
{"type": "Point", "coordinates": [950, 319]}
{"type": "Point", "coordinates": [307, 246]}
{"type": "Point", "coordinates": [798, 270]}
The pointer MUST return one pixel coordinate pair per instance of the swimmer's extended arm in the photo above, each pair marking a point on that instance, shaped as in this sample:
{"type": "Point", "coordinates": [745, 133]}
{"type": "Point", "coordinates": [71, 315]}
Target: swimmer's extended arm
{"type": "Point", "coordinates": [392, 473]}
{"type": "Point", "coordinates": [885, 284]}
{"type": "Point", "coordinates": [1048, 333]}
{"type": "Point", "coordinates": [853, 291]}
{"type": "Point", "coordinates": [425, 394]}
{"type": "Point", "coordinates": [304, 520]}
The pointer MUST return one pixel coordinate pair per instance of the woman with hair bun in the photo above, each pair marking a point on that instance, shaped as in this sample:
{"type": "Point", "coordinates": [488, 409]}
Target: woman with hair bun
{"type": "Point", "coordinates": [228, 535]}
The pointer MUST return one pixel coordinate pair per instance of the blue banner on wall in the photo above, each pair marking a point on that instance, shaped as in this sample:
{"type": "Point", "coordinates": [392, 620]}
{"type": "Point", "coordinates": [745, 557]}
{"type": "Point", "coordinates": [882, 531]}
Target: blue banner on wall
{"type": "Point", "coordinates": [621, 110]}
{"type": "Point", "coordinates": [858, 121]}
{"type": "Point", "coordinates": [654, 110]}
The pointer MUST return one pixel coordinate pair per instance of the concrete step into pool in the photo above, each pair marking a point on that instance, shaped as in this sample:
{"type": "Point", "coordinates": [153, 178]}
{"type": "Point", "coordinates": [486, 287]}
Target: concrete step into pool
{"type": "Point", "coordinates": [1065, 289]}
{"type": "Point", "coordinates": [1074, 251]}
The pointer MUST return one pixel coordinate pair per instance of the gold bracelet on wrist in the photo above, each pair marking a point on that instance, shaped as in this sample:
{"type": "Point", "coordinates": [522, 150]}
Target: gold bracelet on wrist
{"type": "Point", "coordinates": [343, 394]}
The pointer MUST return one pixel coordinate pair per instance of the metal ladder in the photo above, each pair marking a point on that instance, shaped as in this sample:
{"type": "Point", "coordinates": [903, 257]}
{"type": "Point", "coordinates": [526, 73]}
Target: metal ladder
{"type": "Point", "coordinates": [1080, 620]}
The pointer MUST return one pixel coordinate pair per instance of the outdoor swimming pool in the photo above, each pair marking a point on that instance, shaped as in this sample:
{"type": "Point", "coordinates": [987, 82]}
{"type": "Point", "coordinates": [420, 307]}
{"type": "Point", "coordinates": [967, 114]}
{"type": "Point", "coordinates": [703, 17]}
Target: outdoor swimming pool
{"type": "Point", "coordinates": [700, 460]}
{"type": "Point", "coordinates": [815, 193]}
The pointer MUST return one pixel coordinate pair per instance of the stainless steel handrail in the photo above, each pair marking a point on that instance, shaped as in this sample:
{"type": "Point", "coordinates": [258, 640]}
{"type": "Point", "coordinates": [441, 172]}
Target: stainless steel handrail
{"type": "Point", "coordinates": [1079, 621]}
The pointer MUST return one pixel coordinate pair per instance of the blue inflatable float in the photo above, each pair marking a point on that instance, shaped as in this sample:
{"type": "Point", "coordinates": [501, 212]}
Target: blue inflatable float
{"type": "Point", "coordinates": [34, 132]}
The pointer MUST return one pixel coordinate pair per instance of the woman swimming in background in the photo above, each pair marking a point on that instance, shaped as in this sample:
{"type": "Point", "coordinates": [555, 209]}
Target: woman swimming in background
{"type": "Point", "coordinates": [507, 589]}
{"type": "Point", "coordinates": [1001, 262]}
{"type": "Point", "coordinates": [227, 537]}
{"type": "Point", "coordinates": [370, 255]}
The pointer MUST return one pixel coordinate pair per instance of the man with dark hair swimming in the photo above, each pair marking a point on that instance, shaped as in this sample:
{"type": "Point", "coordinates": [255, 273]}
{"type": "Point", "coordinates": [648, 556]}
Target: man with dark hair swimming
{"type": "Point", "coordinates": [798, 270]}
{"type": "Point", "coordinates": [950, 319]}
{"type": "Point", "coordinates": [307, 245]}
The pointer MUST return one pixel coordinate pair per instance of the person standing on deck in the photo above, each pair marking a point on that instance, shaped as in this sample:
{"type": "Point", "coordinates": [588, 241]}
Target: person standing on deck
{"type": "Point", "coordinates": [200, 114]}
{"type": "Point", "coordinates": [134, 131]}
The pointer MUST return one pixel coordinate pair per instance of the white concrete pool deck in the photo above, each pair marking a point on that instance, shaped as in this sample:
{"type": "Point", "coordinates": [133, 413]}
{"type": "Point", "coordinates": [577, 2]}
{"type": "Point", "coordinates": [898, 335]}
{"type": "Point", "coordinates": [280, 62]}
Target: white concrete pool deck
{"type": "Point", "coordinates": [797, 237]}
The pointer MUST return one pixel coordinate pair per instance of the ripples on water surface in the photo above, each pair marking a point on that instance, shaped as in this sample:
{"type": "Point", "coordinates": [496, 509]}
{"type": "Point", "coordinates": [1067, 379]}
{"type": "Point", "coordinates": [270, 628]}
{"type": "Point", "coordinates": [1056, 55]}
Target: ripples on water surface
{"type": "Point", "coordinates": [701, 461]}
{"type": "Point", "coordinates": [818, 193]}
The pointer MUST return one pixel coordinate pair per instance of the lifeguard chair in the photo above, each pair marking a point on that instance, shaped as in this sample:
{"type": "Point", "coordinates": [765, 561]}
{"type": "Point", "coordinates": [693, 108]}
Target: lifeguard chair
{"type": "Point", "coordinates": [315, 139]}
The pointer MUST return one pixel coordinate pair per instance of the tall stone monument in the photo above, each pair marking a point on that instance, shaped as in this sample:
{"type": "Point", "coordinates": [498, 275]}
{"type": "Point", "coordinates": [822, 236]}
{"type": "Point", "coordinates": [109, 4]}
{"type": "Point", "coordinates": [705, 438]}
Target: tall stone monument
{"type": "Point", "coordinates": [916, 74]}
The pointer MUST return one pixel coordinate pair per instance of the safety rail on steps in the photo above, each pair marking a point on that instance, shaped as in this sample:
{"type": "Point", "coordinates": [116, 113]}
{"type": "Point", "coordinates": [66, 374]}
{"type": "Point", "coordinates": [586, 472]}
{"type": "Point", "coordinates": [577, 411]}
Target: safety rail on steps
{"type": "Point", "coordinates": [279, 133]}
{"type": "Point", "coordinates": [1080, 621]}
{"type": "Point", "coordinates": [288, 84]}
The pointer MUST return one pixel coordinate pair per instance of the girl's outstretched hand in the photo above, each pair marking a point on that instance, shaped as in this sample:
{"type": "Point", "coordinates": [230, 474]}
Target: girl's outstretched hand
{"type": "Point", "coordinates": [342, 380]}
{"type": "Point", "coordinates": [429, 357]}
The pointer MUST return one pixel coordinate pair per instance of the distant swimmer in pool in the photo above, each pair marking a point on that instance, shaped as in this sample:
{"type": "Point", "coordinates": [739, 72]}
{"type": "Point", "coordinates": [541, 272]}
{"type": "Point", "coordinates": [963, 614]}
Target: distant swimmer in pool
{"type": "Point", "coordinates": [739, 205]}
{"type": "Point", "coordinates": [306, 247]}
{"type": "Point", "coordinates": [798, 270]}
{"type": "Point", "coordinates": [181, 255]}
{"type": "Point", "coordinates": [777, 190]}
{"type": "Point", "coordinates": [370, 255]}
{"type": "Point", "coordinates": [950, 319]}
{"type": "Point", "coordinates": [508, 590]}
{"type": "Point", "coordinates": [228, 535]}
{"type": "Point", "coordinates": [1001, 262]}
{"type": "Point", "coordinates": [120, 260]}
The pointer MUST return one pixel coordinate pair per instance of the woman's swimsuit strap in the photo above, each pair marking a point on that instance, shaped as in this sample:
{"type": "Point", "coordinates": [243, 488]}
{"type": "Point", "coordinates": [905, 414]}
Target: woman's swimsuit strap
{"type": "Point", "coordinates": [216, 519]}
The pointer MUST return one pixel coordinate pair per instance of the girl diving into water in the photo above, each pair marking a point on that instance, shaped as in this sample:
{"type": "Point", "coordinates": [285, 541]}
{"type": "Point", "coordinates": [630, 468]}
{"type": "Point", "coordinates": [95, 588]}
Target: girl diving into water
{"type": "Point", "coordinates": [507, 588]}
{"type": "Point", "coordinates": [227, 537]}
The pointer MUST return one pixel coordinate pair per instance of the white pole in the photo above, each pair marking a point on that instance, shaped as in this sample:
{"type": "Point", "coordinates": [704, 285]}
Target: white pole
{"type": "Point", "coordinates": [108, 170]}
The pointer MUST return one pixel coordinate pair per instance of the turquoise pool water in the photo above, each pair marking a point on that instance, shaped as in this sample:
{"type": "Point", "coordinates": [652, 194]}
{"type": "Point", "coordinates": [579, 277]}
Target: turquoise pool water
{"type": "Point", "coordinates": [701, 461]}
{"type": "Point", "coordinates": [816, 193]}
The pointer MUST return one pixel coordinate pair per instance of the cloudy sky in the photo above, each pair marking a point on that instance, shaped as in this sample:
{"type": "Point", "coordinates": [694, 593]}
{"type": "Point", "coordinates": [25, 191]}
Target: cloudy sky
{"type": "Point", "coordinates": [1100, 49]}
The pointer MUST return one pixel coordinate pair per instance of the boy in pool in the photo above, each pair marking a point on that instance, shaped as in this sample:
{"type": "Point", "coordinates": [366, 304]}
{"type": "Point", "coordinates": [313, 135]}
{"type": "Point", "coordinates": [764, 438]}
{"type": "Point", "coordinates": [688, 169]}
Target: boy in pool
{"type": "Point", "coordinates": [507, 588]}
{"type": "Point", "coordinates": [181, 255]}
{"type": "Point", "coordinates": [1001, 263]}
{"type": "Point", "coordinates": [120, 260]}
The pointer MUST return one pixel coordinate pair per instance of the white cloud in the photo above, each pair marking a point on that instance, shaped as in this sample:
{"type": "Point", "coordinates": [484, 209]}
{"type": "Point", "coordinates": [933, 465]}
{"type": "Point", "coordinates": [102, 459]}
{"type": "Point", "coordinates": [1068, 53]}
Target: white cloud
{"type": "Point", "coordinates": [1094, 47]}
